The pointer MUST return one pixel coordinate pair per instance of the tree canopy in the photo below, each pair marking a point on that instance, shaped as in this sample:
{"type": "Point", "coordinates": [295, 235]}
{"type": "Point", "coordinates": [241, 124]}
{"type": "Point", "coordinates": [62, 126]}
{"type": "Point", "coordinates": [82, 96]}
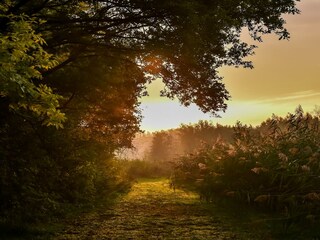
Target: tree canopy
{"type": "Point", "coordinates": [183, 42]}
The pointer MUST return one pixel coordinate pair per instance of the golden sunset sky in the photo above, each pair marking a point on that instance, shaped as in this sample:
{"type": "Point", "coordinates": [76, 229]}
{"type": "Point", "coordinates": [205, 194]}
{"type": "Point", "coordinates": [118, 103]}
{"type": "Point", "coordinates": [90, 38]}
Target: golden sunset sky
{"type": "Point", "coordinates": [285, 74]}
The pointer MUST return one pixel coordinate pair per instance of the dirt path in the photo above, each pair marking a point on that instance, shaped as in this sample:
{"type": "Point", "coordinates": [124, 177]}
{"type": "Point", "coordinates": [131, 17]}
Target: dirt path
{"type": "Point", "coordinates": [152, 210]}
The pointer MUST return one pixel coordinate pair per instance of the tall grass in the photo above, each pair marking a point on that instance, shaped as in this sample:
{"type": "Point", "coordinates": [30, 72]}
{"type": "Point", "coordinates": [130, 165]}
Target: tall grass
{"type": "Point", "coordinates": [275, 167]}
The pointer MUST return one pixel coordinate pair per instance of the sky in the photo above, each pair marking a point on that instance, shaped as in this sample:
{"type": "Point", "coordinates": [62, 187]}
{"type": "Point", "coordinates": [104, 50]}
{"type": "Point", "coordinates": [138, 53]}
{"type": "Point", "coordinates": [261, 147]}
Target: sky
{"type": "Point", "coordinates": [285, 74]}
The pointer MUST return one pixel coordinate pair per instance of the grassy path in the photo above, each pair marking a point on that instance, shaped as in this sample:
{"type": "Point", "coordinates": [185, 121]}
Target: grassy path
{"type": "Point", "coordinates": [152, 210]}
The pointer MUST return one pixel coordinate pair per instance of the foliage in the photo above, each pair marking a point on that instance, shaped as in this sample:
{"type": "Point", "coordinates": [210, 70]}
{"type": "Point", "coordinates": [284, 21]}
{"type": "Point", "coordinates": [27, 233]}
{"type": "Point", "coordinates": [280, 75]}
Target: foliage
{"type": "Point", "coordinates": [196, 136]}
{"type": "Point", "coordinates": [166, 39]}
{"type": "Point", "coordinates": [275, 166]}
{"type": "Point", "coordinates": [22, 60]}
{"type": "Point", "coordinates": [161, 147]}
{"type": "Point", "coordinates": [168, 145]}
{"type": "Point", "coordinates": [42, 178]}
{"type": "Point", "coordinates": [45, 171]}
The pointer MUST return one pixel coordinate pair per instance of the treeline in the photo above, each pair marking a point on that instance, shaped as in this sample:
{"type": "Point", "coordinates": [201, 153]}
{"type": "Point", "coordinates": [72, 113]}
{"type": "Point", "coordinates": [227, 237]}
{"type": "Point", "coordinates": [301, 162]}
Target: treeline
{"type": "Point", "coordinates": [187, 139]}
{"type": "Point", "coordinates": [167, 145]}
{"type": "Point", "coordinates": [155, 154]}
{"type": "Point", "coordinates": [274, 167]}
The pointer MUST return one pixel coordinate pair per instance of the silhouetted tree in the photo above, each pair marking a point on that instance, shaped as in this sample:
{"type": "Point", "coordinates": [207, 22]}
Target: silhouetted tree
{"type": "Point", "coordinates": [184, 42]}
{"type": "Point", "coordinates": [195, 136]}
{"type": "Point", "coordinates": [161, 147]}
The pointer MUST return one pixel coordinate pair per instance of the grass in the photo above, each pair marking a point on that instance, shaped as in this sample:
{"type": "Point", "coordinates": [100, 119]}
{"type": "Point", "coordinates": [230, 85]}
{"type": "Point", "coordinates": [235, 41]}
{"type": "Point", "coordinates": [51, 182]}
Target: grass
{"type": "Point", "coordinates": [151, 210]}
{"type": "Point", "coordinates": [49, 229]}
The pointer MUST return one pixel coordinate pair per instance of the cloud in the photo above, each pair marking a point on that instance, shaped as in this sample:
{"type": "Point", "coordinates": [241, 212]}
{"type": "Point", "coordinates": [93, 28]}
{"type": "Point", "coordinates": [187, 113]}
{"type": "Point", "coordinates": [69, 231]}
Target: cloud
{"type": "Point", "coordinates": [293, 96]}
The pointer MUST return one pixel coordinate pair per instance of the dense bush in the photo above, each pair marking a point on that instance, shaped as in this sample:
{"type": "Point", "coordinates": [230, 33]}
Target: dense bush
{"type": "Point", "coordinates": [43, 174]}
{"type": "Point", "coordinates": [57, 138]}
{"type": "Point", "coordinates": [275, 166]}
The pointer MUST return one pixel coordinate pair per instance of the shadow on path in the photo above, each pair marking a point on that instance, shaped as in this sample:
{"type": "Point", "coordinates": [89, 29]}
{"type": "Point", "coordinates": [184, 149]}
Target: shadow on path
{"type": "Point", "coordinates": [151, 210]}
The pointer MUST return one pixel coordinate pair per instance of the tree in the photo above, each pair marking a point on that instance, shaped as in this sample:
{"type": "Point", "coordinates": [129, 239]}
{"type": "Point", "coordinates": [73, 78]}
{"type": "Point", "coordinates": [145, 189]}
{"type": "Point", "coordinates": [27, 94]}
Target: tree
{"type": "Point", "coordinates": [196, 136]}
{"type": "Point", "coordinates": [22, 58]}
{"type": "Point", "coordinates": [44, 168]}
{"type": "Point", "coordinates": [184, 42]}
{"type": "Point", "coordinates": [113, 48]}
{"type": "Point", "coordinates": [161, 147]}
